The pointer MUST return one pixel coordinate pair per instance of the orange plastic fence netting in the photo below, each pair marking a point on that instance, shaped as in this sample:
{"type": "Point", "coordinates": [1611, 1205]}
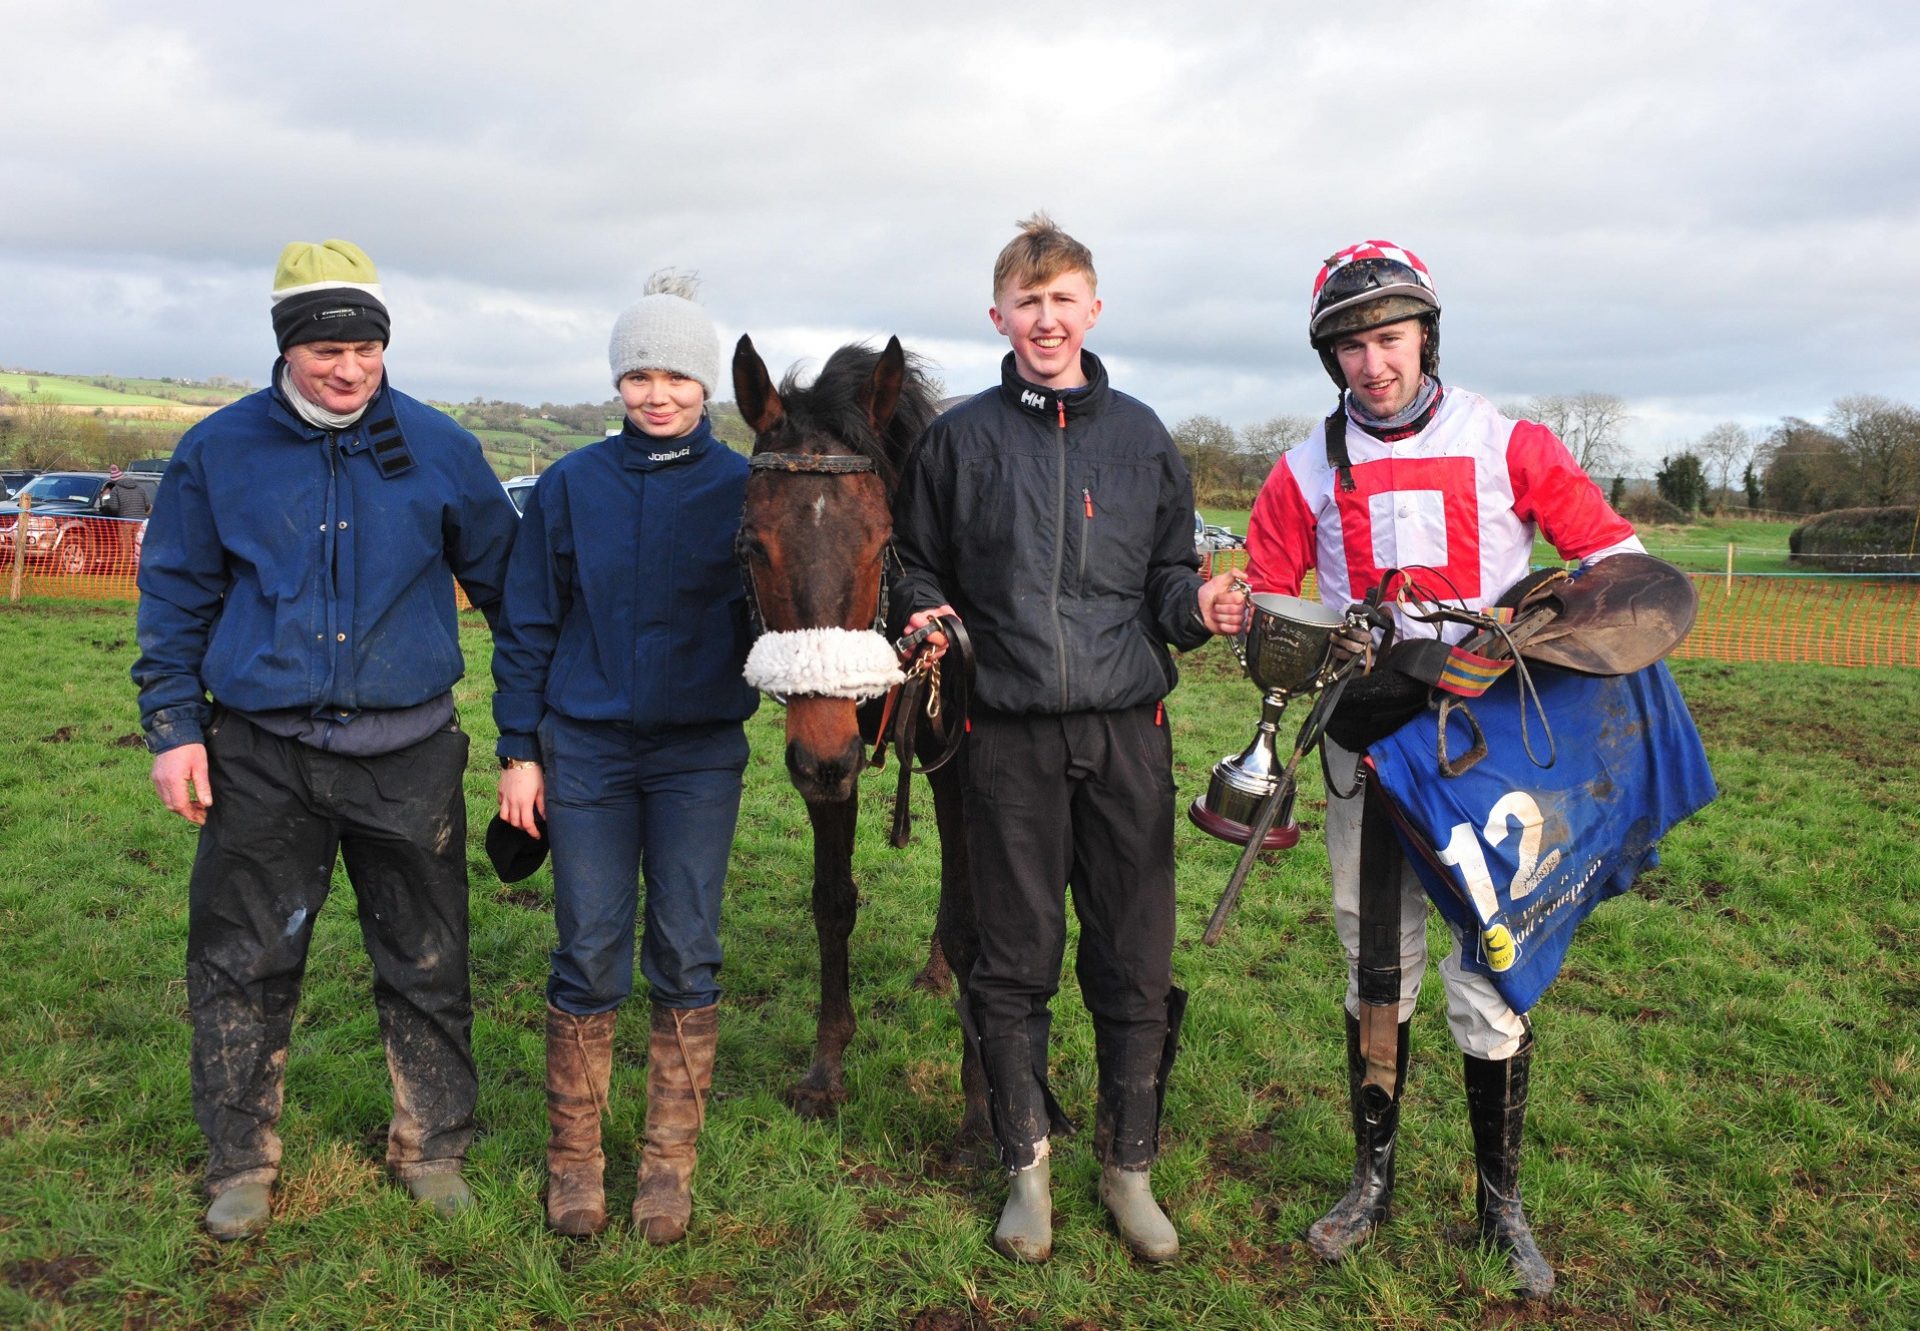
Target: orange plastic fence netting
{"type": "Point", "coordinates": [1819, 620]}
{"type": "Point", "coordinates": [1838, 619]}
{"type": "Point", "coordinates": [75, 556]}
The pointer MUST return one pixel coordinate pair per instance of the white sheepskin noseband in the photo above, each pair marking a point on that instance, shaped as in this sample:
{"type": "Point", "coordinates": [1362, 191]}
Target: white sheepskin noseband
{"type": "Point", "coordinates": [823, 663]}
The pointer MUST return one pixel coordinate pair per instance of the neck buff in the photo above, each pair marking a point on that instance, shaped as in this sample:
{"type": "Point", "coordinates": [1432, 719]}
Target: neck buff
{"type": "Point", "coordinates": [312, 412]}
{"type": "Point", "coordinates": [1381, 426]}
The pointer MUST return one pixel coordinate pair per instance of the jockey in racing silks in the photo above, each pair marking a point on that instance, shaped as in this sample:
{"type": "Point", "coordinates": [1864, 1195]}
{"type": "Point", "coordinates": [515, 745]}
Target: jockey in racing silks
{"type": "Point", "coordinates": [1407, 474]}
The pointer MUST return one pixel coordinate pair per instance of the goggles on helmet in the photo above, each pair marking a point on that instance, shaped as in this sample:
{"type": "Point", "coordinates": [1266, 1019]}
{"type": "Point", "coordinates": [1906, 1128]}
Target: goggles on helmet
{"type": "Point", "coordinates": [1366, 285]}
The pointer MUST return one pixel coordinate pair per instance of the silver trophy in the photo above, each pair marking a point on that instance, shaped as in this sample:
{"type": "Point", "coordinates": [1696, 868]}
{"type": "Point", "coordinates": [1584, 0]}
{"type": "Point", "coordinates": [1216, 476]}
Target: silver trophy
{"type": "Point", "coordinates": [1288, 653]}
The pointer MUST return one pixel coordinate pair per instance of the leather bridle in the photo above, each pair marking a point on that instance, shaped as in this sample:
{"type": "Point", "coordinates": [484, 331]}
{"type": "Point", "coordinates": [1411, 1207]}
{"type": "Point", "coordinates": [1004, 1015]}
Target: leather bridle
{"type": "Point", "coordinates": [809, 464]}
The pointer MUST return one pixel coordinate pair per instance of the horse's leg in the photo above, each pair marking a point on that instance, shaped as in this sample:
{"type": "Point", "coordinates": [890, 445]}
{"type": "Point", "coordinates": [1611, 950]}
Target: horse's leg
{"type": "Point", "coordinates": [936, 977]}
{"type": "Point", "coordinates": [820, 1092]}
{"type": "Point", "coordinates": [957, 936]}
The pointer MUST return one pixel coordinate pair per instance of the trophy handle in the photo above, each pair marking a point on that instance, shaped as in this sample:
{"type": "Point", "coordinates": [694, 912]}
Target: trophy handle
{"type": "Point", "coordinates": [1239, 640]}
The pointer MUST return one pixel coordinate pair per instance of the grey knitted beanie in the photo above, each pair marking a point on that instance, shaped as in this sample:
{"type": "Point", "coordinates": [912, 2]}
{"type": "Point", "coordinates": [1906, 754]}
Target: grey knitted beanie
{"type": "Point", "coordinates": [665, 330]}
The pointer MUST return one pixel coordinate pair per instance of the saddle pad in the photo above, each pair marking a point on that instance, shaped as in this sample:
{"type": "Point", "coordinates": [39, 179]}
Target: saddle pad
{"type": "Point", "coordinates": [1516, 855]}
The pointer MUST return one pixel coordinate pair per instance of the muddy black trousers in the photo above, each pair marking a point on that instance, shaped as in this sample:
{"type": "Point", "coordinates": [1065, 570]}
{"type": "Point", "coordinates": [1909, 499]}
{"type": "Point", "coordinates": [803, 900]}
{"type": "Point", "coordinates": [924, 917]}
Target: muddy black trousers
{"type": "Point", "coordinates": [281, 813]}
{"type": "Point", "coordinates": [1081, 801]}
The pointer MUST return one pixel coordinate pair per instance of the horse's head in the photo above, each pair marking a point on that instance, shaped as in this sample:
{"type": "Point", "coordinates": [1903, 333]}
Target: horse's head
{"type": "Point", "coordinates": [814, 539]}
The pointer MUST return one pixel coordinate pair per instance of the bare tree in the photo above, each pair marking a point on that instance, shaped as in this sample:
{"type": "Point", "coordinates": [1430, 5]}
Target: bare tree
{"type": "Point", "coordinates": [41, 435]}
{"type": "Point", "coordinates": [1723, 450]}
{"type": "Point", "coordinates": [1209, 446]}
{"type": "Point", "coordinates": [1587, 423]}
{"type": "Point", "coordinates": [1881, 440]}
{"type": "Point", "coordinates": [1270, 438]}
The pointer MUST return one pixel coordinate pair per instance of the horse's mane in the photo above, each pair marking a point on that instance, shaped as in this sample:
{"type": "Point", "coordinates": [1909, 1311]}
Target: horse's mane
{"type": "Point", "coordinates": [831, 405]}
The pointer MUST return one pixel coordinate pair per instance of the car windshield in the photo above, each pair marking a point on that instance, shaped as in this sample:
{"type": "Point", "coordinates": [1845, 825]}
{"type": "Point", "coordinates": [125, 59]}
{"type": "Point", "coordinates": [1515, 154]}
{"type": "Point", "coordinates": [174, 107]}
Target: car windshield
{"type": "Point", "coordinates": [57, 486]}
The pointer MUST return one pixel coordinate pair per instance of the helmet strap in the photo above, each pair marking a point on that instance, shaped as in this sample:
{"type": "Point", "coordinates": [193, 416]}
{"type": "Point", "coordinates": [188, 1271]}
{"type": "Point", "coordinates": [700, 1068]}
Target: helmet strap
{"type": "Point", "coordinates": [1336, 426]}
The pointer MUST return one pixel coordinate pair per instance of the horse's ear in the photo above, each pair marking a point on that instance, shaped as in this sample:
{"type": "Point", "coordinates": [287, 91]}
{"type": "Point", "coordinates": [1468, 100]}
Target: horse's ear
{"type": "Point", "coordinates": [753, 391]}
{"type": "Point", "coordinates": [883, 390]}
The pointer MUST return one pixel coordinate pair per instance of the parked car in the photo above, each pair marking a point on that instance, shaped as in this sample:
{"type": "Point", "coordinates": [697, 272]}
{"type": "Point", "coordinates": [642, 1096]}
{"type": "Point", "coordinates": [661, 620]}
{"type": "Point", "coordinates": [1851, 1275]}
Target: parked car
{"type": "Point", "coordinates": [518, 488]}
{"type": "Point", "coordinates": [66, 528]}
{"type": "Point", "coordinates": [11, 481]}
{"type": "Point", "coordinates": [1222, 538]}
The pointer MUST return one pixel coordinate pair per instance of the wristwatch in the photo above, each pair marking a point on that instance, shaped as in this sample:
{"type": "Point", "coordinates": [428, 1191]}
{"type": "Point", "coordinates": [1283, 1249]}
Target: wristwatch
{"type": "Point", "coordinates": [508, 764]}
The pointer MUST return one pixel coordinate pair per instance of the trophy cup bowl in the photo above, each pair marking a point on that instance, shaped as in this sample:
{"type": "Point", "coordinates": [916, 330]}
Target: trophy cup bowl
{"type": "Point", "coordinates": [1288, 648]}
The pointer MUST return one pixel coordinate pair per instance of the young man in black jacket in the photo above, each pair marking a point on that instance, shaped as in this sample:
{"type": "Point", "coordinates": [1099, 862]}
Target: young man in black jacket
{"type": "Point", "coordinates": [1054, 517]}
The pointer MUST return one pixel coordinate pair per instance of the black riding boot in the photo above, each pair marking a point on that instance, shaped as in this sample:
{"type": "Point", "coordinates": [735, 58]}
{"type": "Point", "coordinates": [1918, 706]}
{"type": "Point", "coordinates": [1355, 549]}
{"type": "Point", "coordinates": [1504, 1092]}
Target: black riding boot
{"type": "Point", "coordinates": [1376, 1122]}
{"type": "Point", "coordinates": [1497, 1108]}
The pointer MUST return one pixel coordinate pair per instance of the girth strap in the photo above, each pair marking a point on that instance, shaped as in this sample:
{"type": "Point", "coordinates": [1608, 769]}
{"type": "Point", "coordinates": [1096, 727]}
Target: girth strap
{"type": "Point", "coordinates": [1381, 861]}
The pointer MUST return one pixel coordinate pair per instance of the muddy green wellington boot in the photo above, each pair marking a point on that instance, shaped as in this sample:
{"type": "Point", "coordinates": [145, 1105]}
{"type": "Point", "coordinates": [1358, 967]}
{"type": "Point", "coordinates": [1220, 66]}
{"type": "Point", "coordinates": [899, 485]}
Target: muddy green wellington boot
{"type": "Point", "coordinates": [240, 1212]}
{"type": "Point", "coordinates": [1376, 1125]}
{"type": "Point", "coordinates": [1025, 1231]}
{"type": "Point", "coordinates": [1143, 1226]}
{"type": "Point", "coordinates": [1497, 1109]}
{"type": "Point", "coordinates": [446, 1192]}
{"type": "Point", "coordinates": [1133, 1069]}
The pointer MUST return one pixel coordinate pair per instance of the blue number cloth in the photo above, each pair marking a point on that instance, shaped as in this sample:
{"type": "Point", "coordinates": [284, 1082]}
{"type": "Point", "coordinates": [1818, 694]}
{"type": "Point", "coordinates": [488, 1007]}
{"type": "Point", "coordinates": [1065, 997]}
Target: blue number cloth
{"type": "Point", "coordinates": [1517, 855]}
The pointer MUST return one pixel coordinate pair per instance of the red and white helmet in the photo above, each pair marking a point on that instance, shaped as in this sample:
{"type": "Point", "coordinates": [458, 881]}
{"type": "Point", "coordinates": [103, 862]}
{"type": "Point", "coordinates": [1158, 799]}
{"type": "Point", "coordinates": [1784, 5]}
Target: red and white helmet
{"type": "Point", "coordinates": [1367, 285]}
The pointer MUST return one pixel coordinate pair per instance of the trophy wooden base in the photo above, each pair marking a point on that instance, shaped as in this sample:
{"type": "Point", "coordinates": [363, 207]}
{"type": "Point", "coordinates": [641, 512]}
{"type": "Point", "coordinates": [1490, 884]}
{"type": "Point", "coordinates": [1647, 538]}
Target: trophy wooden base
{"type": "Point", "coordinates": [1282, 837]}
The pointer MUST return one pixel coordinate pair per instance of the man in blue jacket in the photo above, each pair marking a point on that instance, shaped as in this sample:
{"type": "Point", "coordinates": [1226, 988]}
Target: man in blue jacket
{"type": "Point", "coordinates": [298, 650]}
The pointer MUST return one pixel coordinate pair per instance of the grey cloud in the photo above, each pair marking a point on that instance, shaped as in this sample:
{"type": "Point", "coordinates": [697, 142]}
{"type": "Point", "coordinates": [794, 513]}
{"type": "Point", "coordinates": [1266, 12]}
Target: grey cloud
{"type": "Point", "coordinates": [1707, 208]}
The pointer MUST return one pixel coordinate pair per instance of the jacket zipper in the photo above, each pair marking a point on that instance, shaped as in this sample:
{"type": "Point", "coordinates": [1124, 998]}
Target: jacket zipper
{"type": "Point", "coordinates": [1060, 548]}
{"type": "Point", "coordinates": [1086, 535]}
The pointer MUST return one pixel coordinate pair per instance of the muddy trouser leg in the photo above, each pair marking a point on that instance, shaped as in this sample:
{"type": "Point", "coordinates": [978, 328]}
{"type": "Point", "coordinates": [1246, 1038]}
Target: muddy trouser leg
{"type": "Point", "coordinates": [1123, 893]}
{"type": "Point", "coordinates": [1018, 831]}
{"type": "Point", "coordinates": [403, 820]}
{"type": "Point", "coordinates": [260, 876]}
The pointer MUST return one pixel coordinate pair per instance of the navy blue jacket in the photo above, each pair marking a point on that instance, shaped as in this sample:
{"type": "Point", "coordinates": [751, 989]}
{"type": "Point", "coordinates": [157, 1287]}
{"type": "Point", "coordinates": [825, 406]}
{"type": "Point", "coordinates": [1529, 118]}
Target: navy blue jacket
{"type": "Point", "coordinates": [284, 570]}
{"type": "Point", "coordinates": [624, 601]}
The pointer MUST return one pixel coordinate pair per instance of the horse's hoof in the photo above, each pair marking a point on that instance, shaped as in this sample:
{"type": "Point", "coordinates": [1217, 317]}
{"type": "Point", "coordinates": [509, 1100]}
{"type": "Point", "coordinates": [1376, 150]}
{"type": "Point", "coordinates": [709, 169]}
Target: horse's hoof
{"type": "Point", "coordinates": [814, 1104]}
{"type": "Point", "coordinates": [936, 977]}
{"type": "Point", "coordinates": [967, 1152]}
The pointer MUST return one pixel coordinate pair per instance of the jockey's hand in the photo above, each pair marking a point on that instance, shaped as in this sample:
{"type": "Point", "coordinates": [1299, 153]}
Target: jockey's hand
{"type": "Point", "coordinates": [1354, 638]}
{"type": "Point", "coordinates": [1223, 603]}
{"type": "Point", "coordinates": [936, 642]}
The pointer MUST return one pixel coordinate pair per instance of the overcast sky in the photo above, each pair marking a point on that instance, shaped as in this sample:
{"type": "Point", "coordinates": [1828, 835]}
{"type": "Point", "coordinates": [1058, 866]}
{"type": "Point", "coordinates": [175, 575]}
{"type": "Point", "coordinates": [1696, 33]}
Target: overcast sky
{"type": "Point", "coordinates": [1712, 210]}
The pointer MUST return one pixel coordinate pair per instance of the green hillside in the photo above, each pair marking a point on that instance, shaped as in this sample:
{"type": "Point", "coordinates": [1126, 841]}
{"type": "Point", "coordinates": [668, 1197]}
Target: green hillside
{"type": "Point", "coordinates": [60, 420]}
{"type": "Point", "coordinates": [114, 390]}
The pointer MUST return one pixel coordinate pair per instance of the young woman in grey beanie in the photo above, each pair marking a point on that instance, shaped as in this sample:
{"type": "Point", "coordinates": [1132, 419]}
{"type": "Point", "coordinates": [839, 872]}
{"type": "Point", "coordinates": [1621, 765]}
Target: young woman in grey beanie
{"type": "Point", "coordinates": [620, 702]}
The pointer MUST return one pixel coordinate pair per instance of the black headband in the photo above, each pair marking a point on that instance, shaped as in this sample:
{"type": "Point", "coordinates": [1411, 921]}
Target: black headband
{"type": "Point", "coordinates": [331, 314]}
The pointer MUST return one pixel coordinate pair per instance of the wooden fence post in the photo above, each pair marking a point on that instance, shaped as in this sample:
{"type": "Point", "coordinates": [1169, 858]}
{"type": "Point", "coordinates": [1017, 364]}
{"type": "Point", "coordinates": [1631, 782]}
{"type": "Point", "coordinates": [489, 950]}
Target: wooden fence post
{"type": "Point", "coordinates": [20, 544]}
{"type": "Point", "coordinates": [1729, 568]}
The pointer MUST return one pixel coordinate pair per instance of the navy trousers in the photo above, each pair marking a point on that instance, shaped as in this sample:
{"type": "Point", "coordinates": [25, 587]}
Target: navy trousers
{"type": "Point", "coordinates": [623, 808]}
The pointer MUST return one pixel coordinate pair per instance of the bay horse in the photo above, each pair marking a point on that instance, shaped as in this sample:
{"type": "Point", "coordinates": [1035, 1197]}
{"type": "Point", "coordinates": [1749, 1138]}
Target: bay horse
{"type": "Point", "coordinates": [815, 542]}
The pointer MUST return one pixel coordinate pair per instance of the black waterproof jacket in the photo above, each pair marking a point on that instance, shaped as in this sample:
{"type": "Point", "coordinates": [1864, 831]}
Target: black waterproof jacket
{"type": "Point", "coordinates": [1061, 529]}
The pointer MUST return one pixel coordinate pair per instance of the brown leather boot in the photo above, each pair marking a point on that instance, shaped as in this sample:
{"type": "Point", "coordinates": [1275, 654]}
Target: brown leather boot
{"type": "Point", "coordinates": [679, 1072]}
{"type": "Point", "coordinates": [579, 1063]}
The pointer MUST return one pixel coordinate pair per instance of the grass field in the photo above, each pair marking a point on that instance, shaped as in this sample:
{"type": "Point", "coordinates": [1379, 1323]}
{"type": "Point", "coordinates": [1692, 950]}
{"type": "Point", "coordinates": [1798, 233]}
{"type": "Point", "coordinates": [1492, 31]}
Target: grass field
{"type": "Point", "coordinates": [71, 390]}
{"type": "Point", "coordinates": [1723, 1129]}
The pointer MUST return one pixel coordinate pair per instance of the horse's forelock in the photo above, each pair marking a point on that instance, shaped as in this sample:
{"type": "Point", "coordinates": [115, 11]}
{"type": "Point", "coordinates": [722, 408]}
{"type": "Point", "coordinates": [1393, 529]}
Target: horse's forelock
{"type": "Point", "coordinates": [832, 405]}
